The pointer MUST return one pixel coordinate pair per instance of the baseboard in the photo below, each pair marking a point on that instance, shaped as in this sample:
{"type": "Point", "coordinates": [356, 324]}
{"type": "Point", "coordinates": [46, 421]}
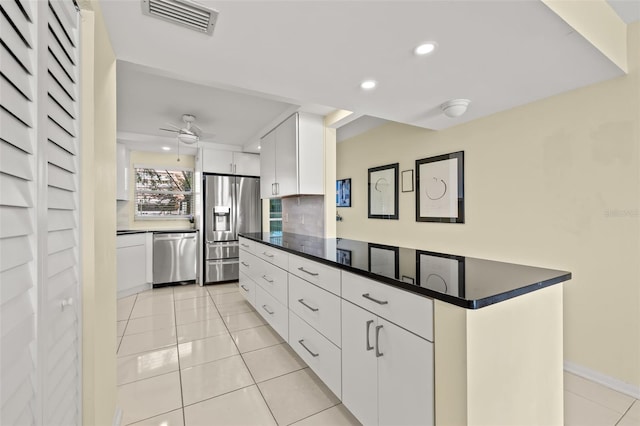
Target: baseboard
{"type": "Point", "coordinates": [133, 290]}
{"type": "Point", "coordinates": [117, 417]}
{"type": "Point", "coordinates": [603, 379]}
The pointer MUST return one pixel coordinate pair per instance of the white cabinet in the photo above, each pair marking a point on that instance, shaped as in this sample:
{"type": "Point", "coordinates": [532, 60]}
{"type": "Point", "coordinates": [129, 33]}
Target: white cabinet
{"type": "Point", "coordinates": [133, 269]}
{"type": "Point", "coordinates": [122, 172]}
{"type": "Point", "coordinates": [387, 372]}
{"type": "Point", "coordinates": [292, 157]}
{"type": "Point", "coordinates": [230, 162]}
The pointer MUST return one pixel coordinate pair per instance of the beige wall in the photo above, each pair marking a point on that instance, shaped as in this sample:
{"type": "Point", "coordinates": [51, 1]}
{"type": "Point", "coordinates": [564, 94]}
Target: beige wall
{"type": "Point", "coordinates": [127, 209]}
{"type": "Point", "coordinates": [98, 89]}
{"type": "Point", "coordinates": [555, 183]}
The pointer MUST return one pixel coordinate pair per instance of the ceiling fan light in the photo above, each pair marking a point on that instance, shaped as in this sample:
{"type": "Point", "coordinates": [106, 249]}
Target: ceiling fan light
{"type": "Point", "coordinates": [188, 138]}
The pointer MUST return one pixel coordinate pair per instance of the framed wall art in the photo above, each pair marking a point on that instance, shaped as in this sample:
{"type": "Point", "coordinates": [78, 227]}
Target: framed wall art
{"type": "Point", "coordinates": [407, 181]}
{"type": "Point", "coordinates": [440, 272]}
{"type": "Point", "coordinates": [383, 192]}
{"type": "Point", "coordinates": [343, 193]}
{"type": "Point", "coordinates": [440, 188]}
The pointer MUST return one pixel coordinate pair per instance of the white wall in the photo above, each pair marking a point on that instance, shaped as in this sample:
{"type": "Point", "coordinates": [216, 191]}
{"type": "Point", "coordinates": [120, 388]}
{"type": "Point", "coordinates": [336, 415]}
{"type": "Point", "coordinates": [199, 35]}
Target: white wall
{"type": "Point", "coordinates": [98, 89]}
{"type": "Point", "coordinates": [555, 183]}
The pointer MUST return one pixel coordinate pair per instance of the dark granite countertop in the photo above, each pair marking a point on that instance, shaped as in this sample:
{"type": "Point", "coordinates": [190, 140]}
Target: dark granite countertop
{"type": "Point", "coordinates": [463, 281]}
{"type": "Point", "coordinates": [155, 231]}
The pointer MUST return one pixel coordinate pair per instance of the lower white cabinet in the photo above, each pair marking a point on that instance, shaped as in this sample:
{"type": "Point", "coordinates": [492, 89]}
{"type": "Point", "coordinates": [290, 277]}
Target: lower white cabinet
{"type": "Point", "coordinates": [317, 351]}
{"type": "Point", "coordinates": [247, 288]}
{"type": "Point", "coordinates": [133, 268]}
{"type": "Point", "coordinates": [387, 372]}
{"type": "Point", "coordinates": [274, 312]}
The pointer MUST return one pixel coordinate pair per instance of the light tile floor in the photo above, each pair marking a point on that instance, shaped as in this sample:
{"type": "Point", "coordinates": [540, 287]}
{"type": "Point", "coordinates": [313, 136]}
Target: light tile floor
{"type": "Point", "coordinates": [195, 355]}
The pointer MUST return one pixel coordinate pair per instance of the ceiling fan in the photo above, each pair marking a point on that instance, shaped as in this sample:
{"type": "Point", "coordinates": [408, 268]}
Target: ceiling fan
{"type": "Point", "coordinates": [188, 134]}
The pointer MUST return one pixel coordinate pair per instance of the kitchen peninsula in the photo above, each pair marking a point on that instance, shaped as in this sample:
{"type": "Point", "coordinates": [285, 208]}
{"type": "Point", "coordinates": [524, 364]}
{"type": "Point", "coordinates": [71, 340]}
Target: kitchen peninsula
{"type": "Point", "coordinates": [406, 336]}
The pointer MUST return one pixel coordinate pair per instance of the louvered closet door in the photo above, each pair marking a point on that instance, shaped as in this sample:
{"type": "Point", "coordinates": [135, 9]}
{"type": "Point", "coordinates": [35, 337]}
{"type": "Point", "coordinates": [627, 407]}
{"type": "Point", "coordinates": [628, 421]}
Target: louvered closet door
{"type": "Point", "coordinates": [18, 239]}
{"type": "Point", "coordinates": [57, 137]}
{"type": "Point", "coordinates": [39, 254]}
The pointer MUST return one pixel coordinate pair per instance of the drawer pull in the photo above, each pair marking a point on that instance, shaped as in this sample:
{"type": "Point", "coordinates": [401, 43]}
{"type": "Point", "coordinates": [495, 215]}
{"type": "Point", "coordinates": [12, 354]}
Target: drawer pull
{"type": "Point", "coordinates": [245, 264]}
{"type": "Point", "coordinates": [265, 307]}
{"type": "Point", "coordinates": [244, 287]}
{"type": "Point", "coordinates": [369, 347]}
{"type": "Point", "coordinates": [267, 254]}
{"type": "Point", "coordinates": [313, 274]}
{"type": "Point", "coordinates": [379, 302]}
{"type": "Point", "coordinates": [301, 341]}
{"type": "Point", "coordinates": [244, 245]}
{"type": "Point", "coordinates": [378, 353]}
{"type": "Point", "coordinates": [310, 307]}
{"type": "Point", "coordinates": [266, 278]}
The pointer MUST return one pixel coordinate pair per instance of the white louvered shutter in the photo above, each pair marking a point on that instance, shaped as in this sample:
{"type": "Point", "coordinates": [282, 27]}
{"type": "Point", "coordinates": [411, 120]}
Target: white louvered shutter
{"type": "Point", "coordinates": [40, 362]}
{"type": "Point", "coordinates": [57, 134]}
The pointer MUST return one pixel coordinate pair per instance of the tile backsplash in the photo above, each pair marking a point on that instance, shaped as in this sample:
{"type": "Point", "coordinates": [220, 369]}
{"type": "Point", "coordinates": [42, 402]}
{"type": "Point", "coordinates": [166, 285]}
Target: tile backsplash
{"type": "Point", "coordinates": [303, 215]}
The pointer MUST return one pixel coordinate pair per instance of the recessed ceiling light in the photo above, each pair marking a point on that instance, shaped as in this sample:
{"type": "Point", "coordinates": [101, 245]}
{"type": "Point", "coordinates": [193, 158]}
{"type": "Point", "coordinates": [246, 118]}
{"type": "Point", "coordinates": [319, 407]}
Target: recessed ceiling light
{"type": "Point", "coordinates": [259, 147]}
{"type": "Point", "coordinates": [166, 148]}
{"type": "Point", "coordinates": [425, 48]}
{"type": "Point", "coordinates": [368, 84]}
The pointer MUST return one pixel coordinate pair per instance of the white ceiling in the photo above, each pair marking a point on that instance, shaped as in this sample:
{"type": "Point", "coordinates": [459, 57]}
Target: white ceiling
{"type": "Point", "coordinates": [628, 10]}
{"type": "Point", "coordinates": [266, 58]}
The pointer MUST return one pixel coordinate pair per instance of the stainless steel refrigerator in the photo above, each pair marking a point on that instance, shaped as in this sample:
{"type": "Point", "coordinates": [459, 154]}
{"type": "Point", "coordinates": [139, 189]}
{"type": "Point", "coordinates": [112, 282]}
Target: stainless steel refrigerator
{"type": "Point", "coordinates": [231, 205]}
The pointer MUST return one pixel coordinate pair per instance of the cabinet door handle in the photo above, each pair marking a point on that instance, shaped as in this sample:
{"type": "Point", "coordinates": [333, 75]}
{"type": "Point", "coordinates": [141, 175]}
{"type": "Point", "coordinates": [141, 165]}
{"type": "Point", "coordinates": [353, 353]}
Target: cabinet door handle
{"type": "Point", "coordinates": [235, 168]}
{"type": "Point", "coordinates": [273, 191]}
{"type": "Point", "coordinates": [379, 302]}
{"type": "Point", "coordinates": [231, 167]}
{"type": "Point", "coordinates": [266, 278]}
{"type": "Point", "coordinates": [244, 288]}
{"type": "Point", "coordinates": [244, 245]}
{"type": "Point", "coordinates": [313, 274]}
{"type": "Point", "coordinates": [301, 341]}
{"type": "Point", "coordinates": [267, 254]}
{"type": "Point", "coordinates": [245, 264]}
{"type": "Point", "coordinates": [277, 188]}
{"type": "Point", "coordinates": [265, 307]}
{"type": "Point", "coordinates": [378, 353]}
{"type": "Point", "coordinates": [369, 347]}
{"type": "Point", "coordinates": [310, 307]}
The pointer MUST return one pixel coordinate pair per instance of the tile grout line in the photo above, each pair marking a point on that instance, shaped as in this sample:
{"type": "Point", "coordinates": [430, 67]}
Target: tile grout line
{"type": "Point", "coordinates": [246, 366]}
{"type": "Point", "coordinates": [315, 414]}
{"type": "Point", "coordinates": [175, 324]}
{"type": "Point", "coordinates": [127, 324]}
{"type": "Point", "coordinates": [626, 412]}
{"type": "Point", "coordinates": [598, 402]}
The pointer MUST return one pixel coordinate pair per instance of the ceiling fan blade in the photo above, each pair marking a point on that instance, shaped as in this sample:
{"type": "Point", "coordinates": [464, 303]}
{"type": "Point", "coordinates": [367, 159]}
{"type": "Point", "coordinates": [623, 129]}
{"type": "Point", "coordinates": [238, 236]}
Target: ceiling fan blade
{"type": "Point", "coordinates": [170, 130]}
{"type": "Point", "coordinates": [196, 130]}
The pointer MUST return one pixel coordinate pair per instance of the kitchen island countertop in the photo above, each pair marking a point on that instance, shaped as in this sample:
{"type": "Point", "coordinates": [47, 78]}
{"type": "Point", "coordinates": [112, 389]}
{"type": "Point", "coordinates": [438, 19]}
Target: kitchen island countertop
{"type": "Point", "coordinates": [467, 282]}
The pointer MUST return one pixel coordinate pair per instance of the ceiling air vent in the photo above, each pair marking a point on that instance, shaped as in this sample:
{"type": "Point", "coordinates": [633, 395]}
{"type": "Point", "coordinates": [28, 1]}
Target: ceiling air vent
{"type": "Point", "coordinates": [182, 12]}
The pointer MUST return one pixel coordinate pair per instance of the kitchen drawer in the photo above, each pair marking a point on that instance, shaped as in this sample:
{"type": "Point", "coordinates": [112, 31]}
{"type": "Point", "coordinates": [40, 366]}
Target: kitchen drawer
{"type": "Point", "coordinates": [272, 279]}
{"type": "Point", "coordinates": [271, 255]}
{"type": "Point", "coordinates": [250, 264]}
{"type": "Point", "coordinates": [408, 310]}
{"type": "Point", "coordinates": [129, 240]}
{"type": "Point", "coordinates": [320, 354]}
{"type": "Point", "coordinates": [246, 244]}
{"type": "Point", "coordinates": [274, 312]}
{"type": "Point", "coordinates": [317, 307]}
{"type": "Point", "coordinates": [247, 288]}
{"type": "Point", "coordinates": [316, 273]}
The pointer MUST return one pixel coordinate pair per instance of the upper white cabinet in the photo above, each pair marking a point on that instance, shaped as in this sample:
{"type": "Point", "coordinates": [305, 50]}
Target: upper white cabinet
{"type": "Point", "coordinates": [123, 170]}
{"type": "Point", "coordinates": [292, 157]}
{"type": "Point", "coordinates": [230, 162]}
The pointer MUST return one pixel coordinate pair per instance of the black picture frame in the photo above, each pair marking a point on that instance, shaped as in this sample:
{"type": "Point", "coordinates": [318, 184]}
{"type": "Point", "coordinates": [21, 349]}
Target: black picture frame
{"type": "Point", "coordinates": [407, 180]}
{"type": "Point", "coordinates": [343, 257]}
{"type": "Point", "coordinates": [383, 192]}
{"type": "Point", "coordinates": [447, 271]}
{"type": "Point", "coordinates": [440, 188]}
{"type": "Point", "coordinates": [343, 192]}
{"type": "Point", "coordinates": [385, 271]}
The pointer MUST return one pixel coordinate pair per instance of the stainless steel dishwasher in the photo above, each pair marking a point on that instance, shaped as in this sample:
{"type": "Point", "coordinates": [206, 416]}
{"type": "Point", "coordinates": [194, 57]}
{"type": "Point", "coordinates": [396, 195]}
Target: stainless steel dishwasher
{"type": "Point", "coordinates": [174, 257]}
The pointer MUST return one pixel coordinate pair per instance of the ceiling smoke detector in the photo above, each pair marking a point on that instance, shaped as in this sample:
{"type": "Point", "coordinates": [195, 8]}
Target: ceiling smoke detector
{"type": "Point", "coordinates": [186, 13]}
{"type": "Point", "coordinates": [455, 107]}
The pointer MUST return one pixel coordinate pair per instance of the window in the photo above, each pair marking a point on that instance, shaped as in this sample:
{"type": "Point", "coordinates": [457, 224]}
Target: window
{"type": "Point", "coordinates": [275, 216]}
{"type": "Point", "coordinates": [163, 193]}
